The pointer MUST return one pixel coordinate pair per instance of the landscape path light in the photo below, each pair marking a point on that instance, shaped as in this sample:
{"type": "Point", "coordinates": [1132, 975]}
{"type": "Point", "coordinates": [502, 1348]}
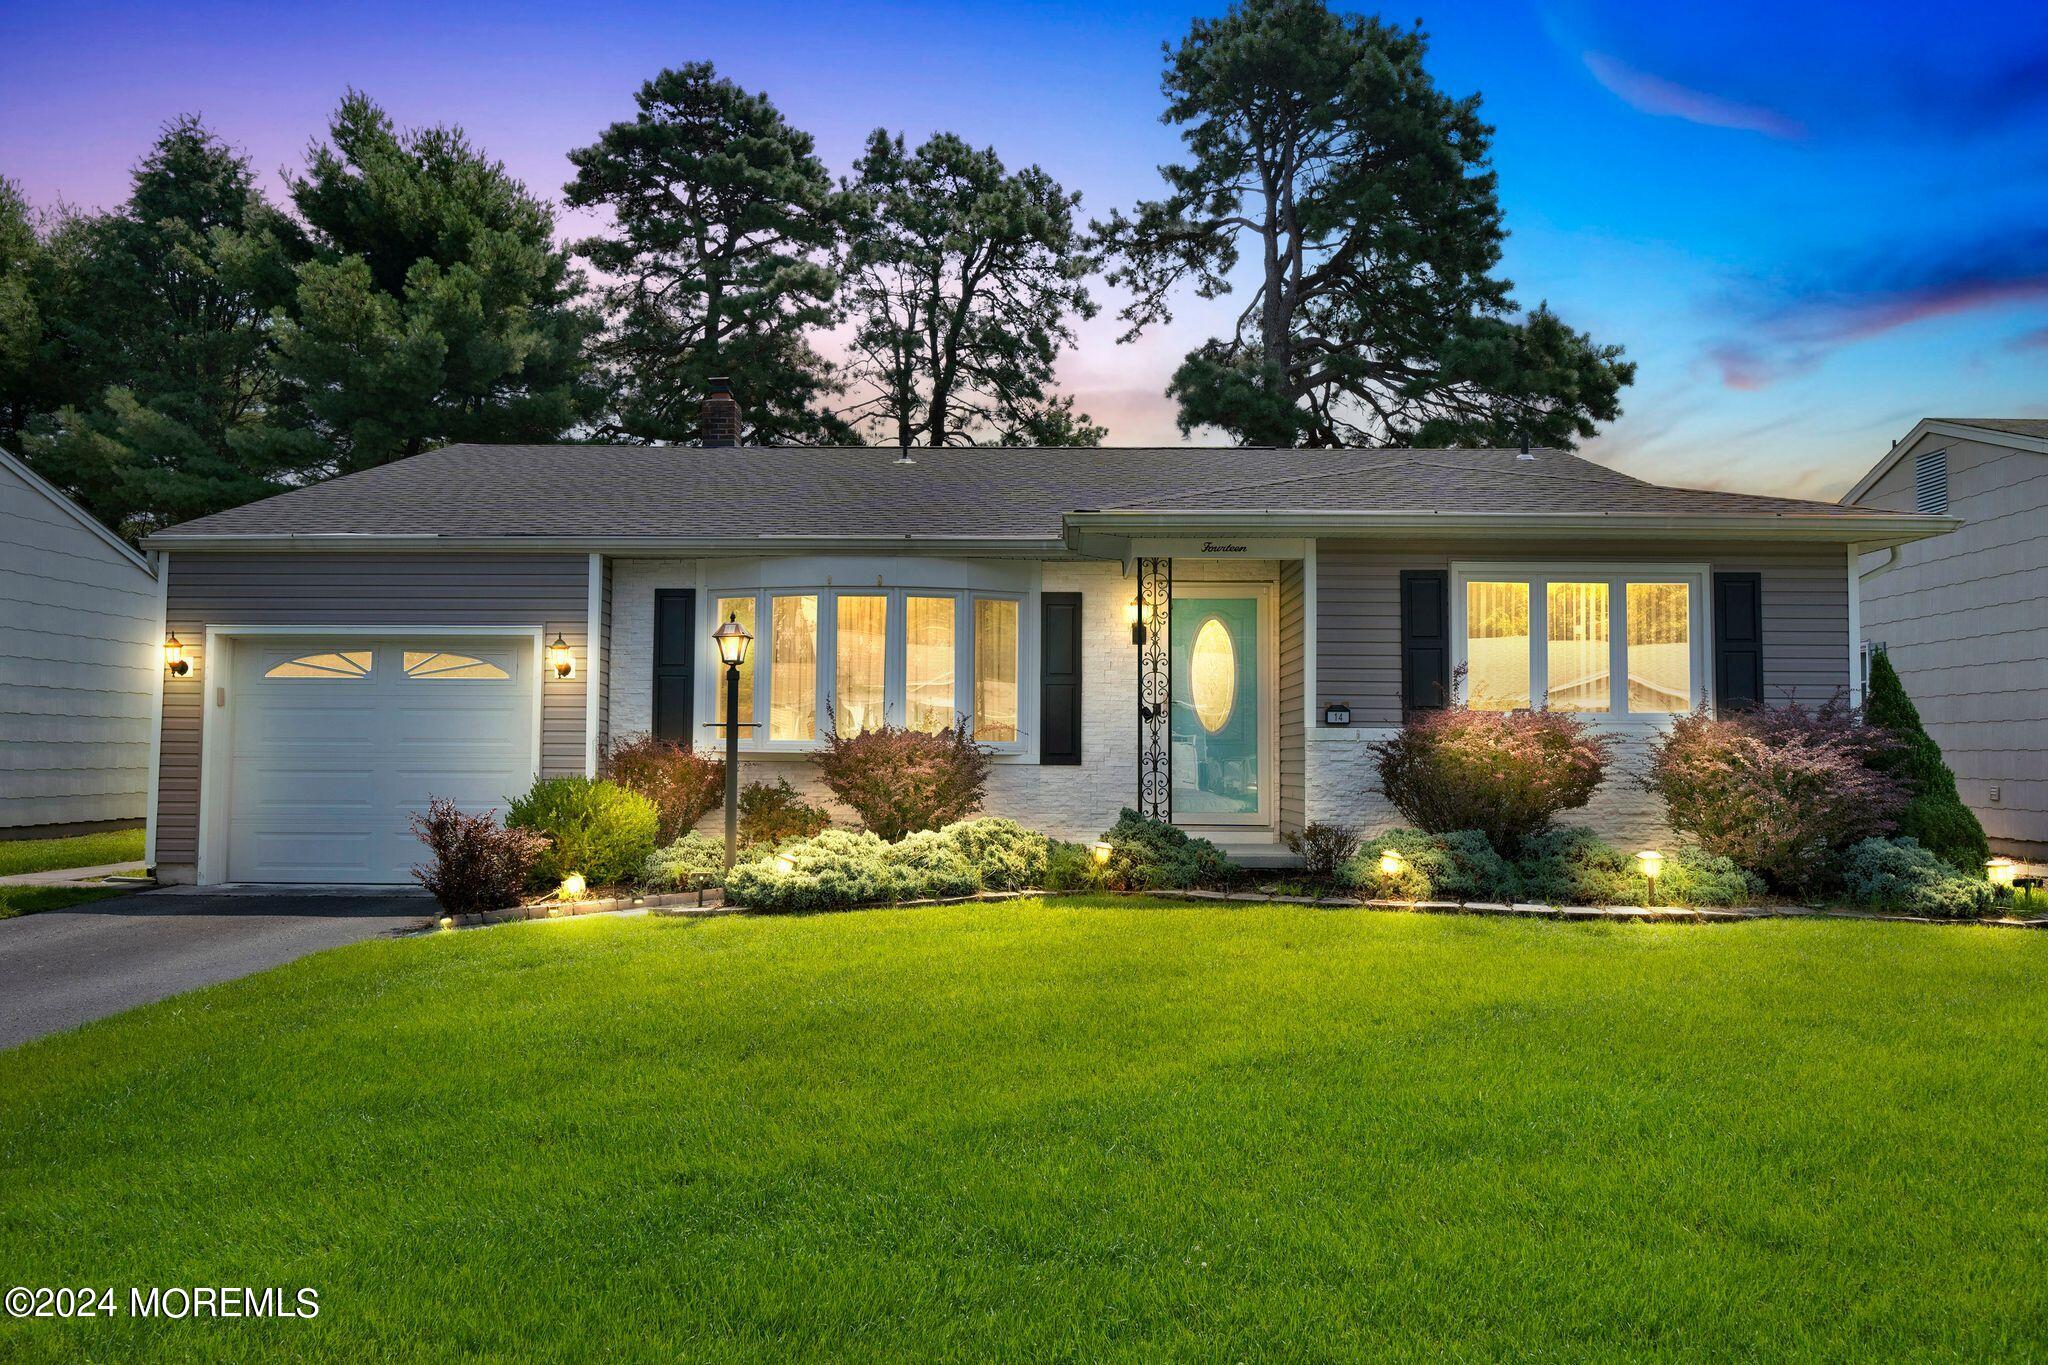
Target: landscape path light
{"type": "Point", "coordinates": [1651, 863]}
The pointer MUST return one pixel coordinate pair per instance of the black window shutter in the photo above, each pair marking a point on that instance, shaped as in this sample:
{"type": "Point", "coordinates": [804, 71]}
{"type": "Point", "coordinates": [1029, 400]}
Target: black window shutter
{"type": "Point", "coordinates": [675, 655]}
{"type": "Point", "coordinates": [1059, 678]}
{"type": "Point", "coordinates": [1425, 639]}
{"type": "Point", "coordinates": [1738, 641]}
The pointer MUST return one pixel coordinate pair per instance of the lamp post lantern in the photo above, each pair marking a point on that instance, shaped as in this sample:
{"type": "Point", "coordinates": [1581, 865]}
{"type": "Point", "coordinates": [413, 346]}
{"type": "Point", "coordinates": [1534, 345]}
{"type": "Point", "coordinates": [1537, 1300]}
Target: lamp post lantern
{"type": "Point", "coordinates": [732, 640]}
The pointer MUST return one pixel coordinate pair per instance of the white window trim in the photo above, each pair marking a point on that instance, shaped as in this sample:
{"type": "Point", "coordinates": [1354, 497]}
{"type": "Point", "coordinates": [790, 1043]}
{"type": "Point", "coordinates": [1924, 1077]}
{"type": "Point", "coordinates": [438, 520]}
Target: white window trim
{"type": "Point", "coordinates": [1536, 573]}
{"type": "Point", "coordinates": [895, 670]}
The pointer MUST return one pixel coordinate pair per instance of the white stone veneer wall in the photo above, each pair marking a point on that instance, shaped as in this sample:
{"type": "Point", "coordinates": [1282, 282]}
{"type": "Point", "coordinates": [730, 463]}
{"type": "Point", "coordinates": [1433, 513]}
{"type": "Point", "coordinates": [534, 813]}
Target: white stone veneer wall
{"type": "Point", "coordinates": [1344, 789]}
{"type": "Point", "coordinates": [1071, 802]}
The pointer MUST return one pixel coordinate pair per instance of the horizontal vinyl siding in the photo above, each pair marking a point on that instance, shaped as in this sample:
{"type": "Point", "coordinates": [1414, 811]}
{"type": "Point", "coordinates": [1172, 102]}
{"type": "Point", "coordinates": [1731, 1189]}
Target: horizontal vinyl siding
{"type": "Point", "coordinates": [1358, 610]}
{"type": "Point", "coordinates": [1964, 618]}
{"type": "Point", "coordinates": [78, 660]}
{"type": "Point", "coordinates": [1293, 776]}
{"type": "Point", "coordinates": [550, 593]}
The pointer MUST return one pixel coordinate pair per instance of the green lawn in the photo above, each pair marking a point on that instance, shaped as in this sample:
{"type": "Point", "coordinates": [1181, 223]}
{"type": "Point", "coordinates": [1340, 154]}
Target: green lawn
{"type": "Point", "coordinates": [85, 850]}
{"type": "Point", "coordinates": [1078, 1131]}
{"type": "Point", "coordinates": [26, 900]}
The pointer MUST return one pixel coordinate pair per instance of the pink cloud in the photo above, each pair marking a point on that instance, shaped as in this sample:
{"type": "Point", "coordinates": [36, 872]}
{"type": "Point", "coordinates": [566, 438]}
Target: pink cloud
{"type": "Point", "coordinates": [1655, 95]}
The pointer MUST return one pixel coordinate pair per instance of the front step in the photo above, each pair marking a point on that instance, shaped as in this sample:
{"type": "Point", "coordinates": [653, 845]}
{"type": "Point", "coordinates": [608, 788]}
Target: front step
{"type": "Point", "coordinates": [1255, 849]}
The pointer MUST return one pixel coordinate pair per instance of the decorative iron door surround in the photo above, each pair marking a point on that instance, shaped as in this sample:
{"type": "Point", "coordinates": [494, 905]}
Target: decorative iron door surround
{"type": "Point", "coordinates": [1155, 672]}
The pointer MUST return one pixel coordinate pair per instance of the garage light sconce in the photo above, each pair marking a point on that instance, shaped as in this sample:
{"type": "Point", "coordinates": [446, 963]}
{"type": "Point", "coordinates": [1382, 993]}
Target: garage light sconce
{"type": "Point", "coordinates": [175, 662]}
{"type": "Point", "coordinates": [559, 656]}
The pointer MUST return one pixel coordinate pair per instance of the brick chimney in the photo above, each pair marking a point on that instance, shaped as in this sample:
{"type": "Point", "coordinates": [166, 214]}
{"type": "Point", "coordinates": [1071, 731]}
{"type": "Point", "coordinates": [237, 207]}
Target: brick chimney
{"type": "Point", "coordinates": [718, 417]}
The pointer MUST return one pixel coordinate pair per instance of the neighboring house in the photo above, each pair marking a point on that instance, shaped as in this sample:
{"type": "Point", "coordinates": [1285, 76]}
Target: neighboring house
{"type": "Point", "coordinates": [363, 644]}
{"type": "Point", "coordinates": [1965, 618]}
{"type": "Point", "coordinates": [80, 658]}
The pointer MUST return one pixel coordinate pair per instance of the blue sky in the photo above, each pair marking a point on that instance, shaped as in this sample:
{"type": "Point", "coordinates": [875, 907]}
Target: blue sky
{"type": "Point", "coordinates": [1809, 224]}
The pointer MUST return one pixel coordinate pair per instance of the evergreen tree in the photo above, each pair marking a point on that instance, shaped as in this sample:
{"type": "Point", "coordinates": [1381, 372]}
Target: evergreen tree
{"type": "Point", "coordinates": [963, 282]}
{"type": "Point", "coordinates": [156, 318]}
{"type": "Point", "coordinates": [1935, 815]}
{"type": "Point", "coordinates": [21, 322]}
{"type": "Point", "coordinates": [437, 307]}
{"type": "Point", "coordinates": [1364, 194]}
{"type": "Point", "coordinates": [725, 224]}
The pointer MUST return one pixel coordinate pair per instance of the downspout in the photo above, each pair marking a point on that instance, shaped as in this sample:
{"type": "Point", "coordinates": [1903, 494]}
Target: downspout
{"type": "Point", "coordinates": [1891, 561]}
{"type": "Point", "coordinates": [1858, 576]}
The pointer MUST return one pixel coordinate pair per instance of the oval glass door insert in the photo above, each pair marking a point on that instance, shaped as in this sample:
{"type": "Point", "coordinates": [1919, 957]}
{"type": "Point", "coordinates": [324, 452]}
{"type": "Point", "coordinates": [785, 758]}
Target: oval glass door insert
{"type": "Point", "coordinates": [1212, 675]}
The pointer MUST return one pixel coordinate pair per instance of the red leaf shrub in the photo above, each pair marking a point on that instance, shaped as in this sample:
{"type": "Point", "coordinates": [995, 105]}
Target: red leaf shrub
{"type": "Point", "coordinates": [772, 812]}
{"type": "Point", "coordinates": [683, 785]}
{"type": "Point", "coordinates": [1507, 774]}
{"type": "Point", "coordinates": [1779, 791]}
{"type": "Point", "coordinates": [477, 865]}
{"type": "Point", "coordinates": [899, 780]}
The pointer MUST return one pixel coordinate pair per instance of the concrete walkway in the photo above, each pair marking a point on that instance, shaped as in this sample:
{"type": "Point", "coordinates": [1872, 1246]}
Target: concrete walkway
{"type": "Point", "coordinates": [73, 876]}
{"type": "Point", "coordinates": [63, 968]}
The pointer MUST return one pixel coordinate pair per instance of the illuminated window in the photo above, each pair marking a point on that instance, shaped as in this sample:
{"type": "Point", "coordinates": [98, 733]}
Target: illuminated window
{"type": "Point", "coordinates": [743, 608]}
{"type": "Point", "coordinates": [354, 663]}
{"type": "Point", "coordinates": [929, 659]}
{"type": "Point", "coordinates": [862, 664]}
{"type": "Point", "coordinates": [1212, 675]}
{"type": "Point", "coordinates": [432, 665]}
{"type": "Point", "coordinates": [1562, 641]}
{"type": "Point", "coordinates": [793, 681]}
{"type": "Point", "coordinates": [1497, 646]}
{"type": "Point", "coordinates": [1659, 648]}
{"type": "Point", "coordinates": [1579, 655]}
{"type": "Point", "coordinates": [995, 670]}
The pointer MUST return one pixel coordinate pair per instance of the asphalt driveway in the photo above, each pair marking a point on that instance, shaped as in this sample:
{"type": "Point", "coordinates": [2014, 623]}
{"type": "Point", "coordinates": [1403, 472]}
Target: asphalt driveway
{"type": "Point", "coordinates": [63, 968]}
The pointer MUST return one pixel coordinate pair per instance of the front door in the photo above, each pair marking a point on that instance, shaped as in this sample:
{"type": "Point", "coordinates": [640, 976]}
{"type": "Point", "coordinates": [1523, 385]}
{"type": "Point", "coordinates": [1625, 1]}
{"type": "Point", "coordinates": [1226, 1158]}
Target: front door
{"type": "Point", "coordinates": [1221, 705]}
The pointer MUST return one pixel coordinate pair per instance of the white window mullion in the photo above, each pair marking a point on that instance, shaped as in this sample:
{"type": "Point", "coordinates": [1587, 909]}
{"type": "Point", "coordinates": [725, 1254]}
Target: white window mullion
{"type": "Point", "coordinates": [963, 659]}
{"type": "Point", "coordinates": [895, 658]}
{"type": "Point", "coordinates": [828, 659]}
{"type": "Point", "coordinates": [1617, 647]}
{"type": "Point", "coordinates": [1539, 644]}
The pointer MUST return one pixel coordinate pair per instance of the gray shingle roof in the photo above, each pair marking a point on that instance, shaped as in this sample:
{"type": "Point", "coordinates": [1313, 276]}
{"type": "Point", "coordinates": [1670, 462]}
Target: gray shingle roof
{"type": "Point", "coordinates": [624, 491]}
{"type": "Point", "coordinates": [2011, 426]}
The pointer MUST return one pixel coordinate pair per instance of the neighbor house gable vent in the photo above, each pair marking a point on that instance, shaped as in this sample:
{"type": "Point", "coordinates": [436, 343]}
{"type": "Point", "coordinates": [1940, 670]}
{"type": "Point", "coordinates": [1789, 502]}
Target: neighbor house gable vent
{"type": "Point", "coordinates": [1930, 483]}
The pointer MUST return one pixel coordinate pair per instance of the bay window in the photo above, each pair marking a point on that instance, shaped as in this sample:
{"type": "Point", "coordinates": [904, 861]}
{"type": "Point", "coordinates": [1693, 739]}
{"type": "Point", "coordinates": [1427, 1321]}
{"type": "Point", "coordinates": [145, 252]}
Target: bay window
{"type": "Point", "coordinates": [1623, 643]}
{"type": "Point", "coordinates": [856, 658]}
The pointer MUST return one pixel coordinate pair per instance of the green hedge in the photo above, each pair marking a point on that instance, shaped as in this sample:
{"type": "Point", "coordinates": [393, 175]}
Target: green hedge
{"type": "Point", "coordinates": [1901, 876]}
{"type": "Point", "coordinates": [841, 868]}
{"type": "Point", "coordinates": [1559, 867]}
{"type": "Point", "coordinates": [596, 828]}
{"type": "Point", "coordinates": [1152, 855]}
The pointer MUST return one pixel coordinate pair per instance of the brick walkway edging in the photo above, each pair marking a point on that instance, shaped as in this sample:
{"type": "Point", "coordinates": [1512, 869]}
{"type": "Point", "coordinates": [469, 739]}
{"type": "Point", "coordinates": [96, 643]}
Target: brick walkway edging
{"type": "Point", "coordinates": [693, 904]}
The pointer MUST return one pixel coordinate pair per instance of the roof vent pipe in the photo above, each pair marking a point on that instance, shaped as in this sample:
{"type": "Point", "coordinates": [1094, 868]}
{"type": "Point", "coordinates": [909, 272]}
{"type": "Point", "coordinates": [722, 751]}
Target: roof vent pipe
{"type": "Point", "coordinates": [1525, 455]}
{"type": "Point", "coordinates": [903, 452]}
{"type": "Point", "coordinates": [718, 416]}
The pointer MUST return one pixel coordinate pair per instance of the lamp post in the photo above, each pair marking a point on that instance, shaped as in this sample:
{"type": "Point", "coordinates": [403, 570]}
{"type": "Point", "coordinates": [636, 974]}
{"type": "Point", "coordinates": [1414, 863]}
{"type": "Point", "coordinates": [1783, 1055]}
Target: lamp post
{"type": "Point", "coordinates": [732, 640]}
{"type": "Point", "coordinates": [1650, 862]}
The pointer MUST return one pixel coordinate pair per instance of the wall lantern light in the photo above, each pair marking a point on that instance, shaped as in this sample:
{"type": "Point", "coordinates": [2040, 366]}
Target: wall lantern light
{"type": "Point", "coordinates": [1337, 713]}
{"type": "Point", "coordinates": [1391, 862]}
{"type": "Point", "coordinates": [2002, 871]}
{"type": "Point", "coordinates": [1134, 617]}
{"type": "Point", "coordinates": [560, 659]}
{"type": "Point", "coordinates": [1650, 863]}
{"type": "Point", "coordinates": [175, 662]}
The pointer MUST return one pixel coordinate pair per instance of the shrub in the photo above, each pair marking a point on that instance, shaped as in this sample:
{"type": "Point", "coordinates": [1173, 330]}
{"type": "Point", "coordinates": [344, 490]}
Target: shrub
{"type": "Point", "coordinates": [1152, 855]}
{"type": "Point", "coordinates": [1779, 791]}
{"type": "Point", "coordinates": [683, 786]}
{"type": "Point", "coordinates": [477, 865]}
{"type": "Point", "coordinates": [594, 827]}
{"type": "Point", "coordinates": [773, 812]}
{"type": "Point", "coordinates": [1934, 812]}
{"type": "Point", "coordinates": [899, 780]}
{"type": "Point", "coordinates": [1007, 856]}
{"type": "Point", "coordinates": [1459, 866]}
{"type": "Point", "coordinates": [1577, 867]}
{"type": "Point", "coordinates": [1902, 876]}
{"type": "Point", "coordinates": [691, 863]}
{"type": "Point", "coordinates": [840, 868]}
{"type": "Point", "coordinates": [1323, 848]}
{"type": "Point", "coordinates": [1071, 867]}
{"type": "Point", "coordinates": [1507, 774]}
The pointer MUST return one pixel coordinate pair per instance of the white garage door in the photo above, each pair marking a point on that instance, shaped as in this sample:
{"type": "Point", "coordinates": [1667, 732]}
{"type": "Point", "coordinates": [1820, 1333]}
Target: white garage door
{"type": "Point", "coordinates": [338, 741]}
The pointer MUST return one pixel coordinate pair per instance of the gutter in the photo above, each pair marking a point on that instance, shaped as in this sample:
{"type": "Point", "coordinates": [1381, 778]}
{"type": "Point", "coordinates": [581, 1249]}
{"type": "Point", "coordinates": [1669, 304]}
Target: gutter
{"type": "Point", "coordinates": [1878, 530]}
{"type": "Point", "coordinates": [613, 546]}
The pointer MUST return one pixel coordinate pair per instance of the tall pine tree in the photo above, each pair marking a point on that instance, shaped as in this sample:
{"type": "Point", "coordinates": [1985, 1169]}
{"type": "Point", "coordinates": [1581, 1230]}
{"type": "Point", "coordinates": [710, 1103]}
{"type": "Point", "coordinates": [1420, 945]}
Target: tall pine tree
{"type": "Point", "coordinates": [1318, 145]}
{"type": "Point", "coordinates": [437, 307]}
{"type": "Point", "coordinates": [158, 316]}
{"type": "Point", "coordinates": [963, 283]}
{"type": "Point", "coordinates": [725, 226]}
